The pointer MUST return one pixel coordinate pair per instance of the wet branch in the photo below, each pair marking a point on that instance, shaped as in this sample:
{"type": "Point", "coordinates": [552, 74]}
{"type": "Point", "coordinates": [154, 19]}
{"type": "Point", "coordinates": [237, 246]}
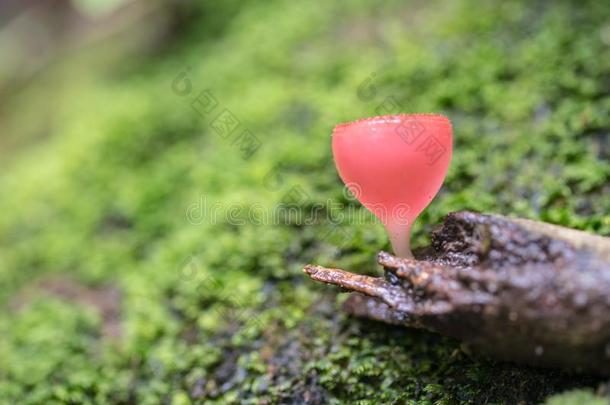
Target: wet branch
{"type": "Point", "coordinates": [516, 289]}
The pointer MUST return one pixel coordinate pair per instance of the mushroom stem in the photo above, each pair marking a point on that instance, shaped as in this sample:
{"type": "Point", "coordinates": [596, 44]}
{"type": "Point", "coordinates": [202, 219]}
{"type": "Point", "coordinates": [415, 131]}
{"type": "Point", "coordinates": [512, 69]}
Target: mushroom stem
{"type": "Point", "coordinates": [400, 239]}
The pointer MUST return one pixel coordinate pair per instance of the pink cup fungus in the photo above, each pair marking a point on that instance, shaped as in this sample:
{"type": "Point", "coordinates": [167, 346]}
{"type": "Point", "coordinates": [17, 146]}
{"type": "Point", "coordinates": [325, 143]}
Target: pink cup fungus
{"type": "Point", "coordinates": [394, 165]}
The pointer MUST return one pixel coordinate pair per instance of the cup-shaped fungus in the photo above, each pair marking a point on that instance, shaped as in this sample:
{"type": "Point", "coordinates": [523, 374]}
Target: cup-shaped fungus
{"type": "Point", "coordinates": [394, 165]}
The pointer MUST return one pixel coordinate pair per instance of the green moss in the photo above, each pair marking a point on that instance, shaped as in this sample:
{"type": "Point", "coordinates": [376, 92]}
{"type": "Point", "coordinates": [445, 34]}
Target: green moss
{"type": "Point", "coordinates": [584, 397]}
{"type": "Point", "coordinates": [135, 189]}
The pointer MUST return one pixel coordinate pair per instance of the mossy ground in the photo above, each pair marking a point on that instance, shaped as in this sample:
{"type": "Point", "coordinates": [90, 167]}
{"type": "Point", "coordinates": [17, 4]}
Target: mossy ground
{"type": "Point", "coordinates": [107, 194]}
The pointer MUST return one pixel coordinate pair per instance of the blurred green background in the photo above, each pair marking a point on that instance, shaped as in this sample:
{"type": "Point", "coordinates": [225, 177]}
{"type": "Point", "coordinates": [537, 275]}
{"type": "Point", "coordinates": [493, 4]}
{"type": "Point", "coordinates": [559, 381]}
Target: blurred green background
{"type": "Point", "coordinates": [139, 263]}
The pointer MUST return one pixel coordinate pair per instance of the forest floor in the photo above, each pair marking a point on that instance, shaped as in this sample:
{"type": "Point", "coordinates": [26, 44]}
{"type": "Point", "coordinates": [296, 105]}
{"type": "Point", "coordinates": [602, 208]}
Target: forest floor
{"type": "Point", "coordinates": [147, 255]}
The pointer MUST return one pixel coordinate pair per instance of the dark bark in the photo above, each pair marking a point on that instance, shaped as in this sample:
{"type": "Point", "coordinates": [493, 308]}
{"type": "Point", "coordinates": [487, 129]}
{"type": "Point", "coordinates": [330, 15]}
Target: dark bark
{"type": "Point", "coordinates": [515, 289]}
